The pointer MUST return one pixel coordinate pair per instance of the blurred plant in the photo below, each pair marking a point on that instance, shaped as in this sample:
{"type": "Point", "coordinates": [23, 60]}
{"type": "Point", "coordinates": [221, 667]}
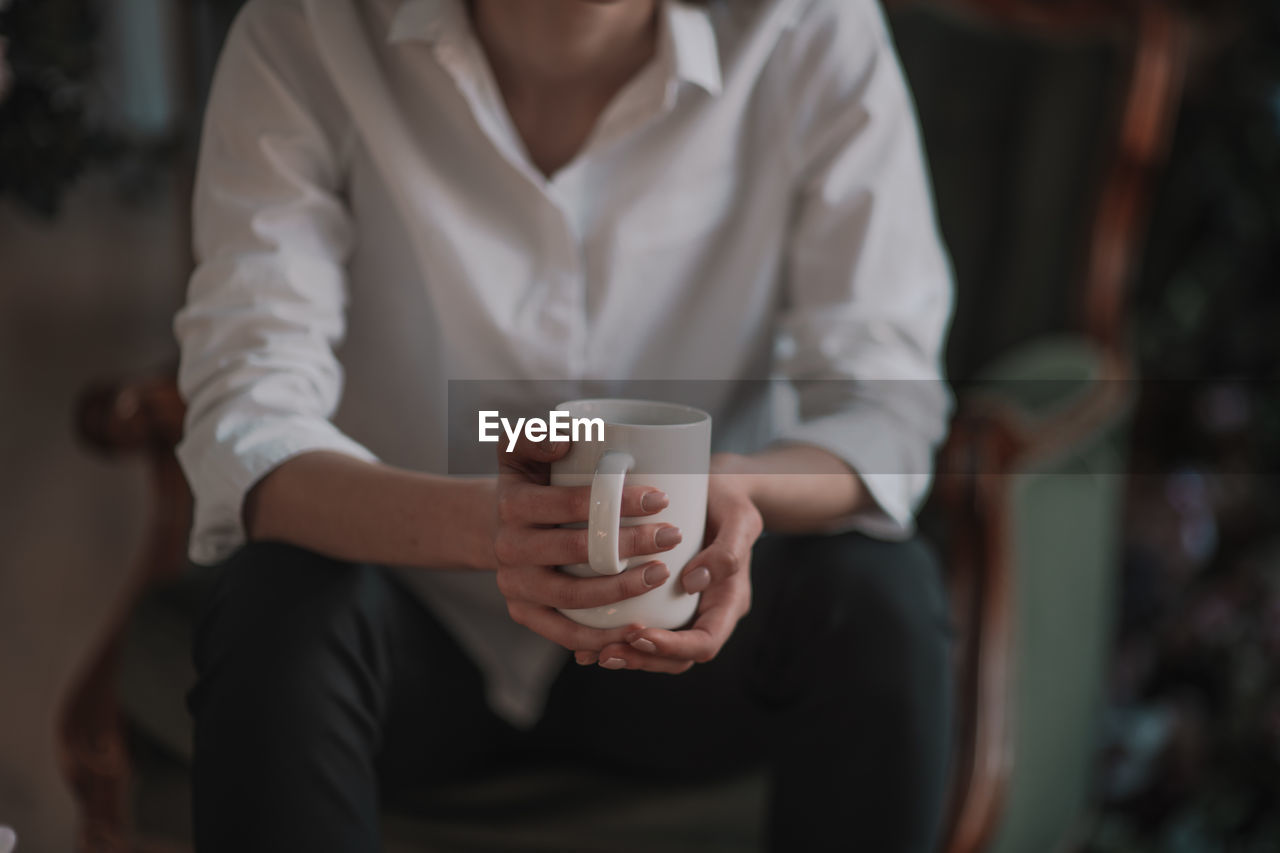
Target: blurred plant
{"type": "Point", "coordinates": [47, 137]}
{"type": "Point", "coordinates": [1208, 299]}
{"type": "Point", "coordinates": [1193, 737]}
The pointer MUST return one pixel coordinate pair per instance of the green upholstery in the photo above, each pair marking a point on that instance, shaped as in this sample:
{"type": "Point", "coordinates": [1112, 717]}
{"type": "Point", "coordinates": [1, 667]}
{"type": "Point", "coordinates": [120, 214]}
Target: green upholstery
{"type": "Point", "coordinates": [1065, 544]}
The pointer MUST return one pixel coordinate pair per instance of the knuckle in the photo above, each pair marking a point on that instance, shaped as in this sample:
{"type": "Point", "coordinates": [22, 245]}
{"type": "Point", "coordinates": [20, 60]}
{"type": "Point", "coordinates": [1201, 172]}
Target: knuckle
{"type": "Point", "coordinates": [579, 504]}
{"type": "Point", "coordinates": [578, 548]}
{"type": "Point", "coordinates": [632, 583]}
{"type": "Point", "coordinates": [627, 541]}
{"type": "Point", "coordinates": [579, 638]}
{"type": "Point", "coordinates": [507, 506]}
{"type": "Point", "coordinates": [505, 548]}
{"type": "Point", "coordinates": [631, 501]}
{"type": "Point", "coordinates": [643, 539]}
{"type": "Point", "coordinates": [571, 596]}
{"type": "Point", "coordinates": [730, 564]}
{"type": "Point", "coordinates": [705, 655]}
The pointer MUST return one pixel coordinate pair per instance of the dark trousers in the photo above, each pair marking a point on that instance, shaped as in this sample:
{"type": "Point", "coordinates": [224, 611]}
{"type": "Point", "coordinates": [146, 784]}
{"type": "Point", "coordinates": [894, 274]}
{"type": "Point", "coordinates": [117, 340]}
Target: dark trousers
{"type": "Point", "coordinates": [324, 687]}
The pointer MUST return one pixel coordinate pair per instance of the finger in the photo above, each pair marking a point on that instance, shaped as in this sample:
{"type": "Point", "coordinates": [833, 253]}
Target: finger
{"type": "Point", "coordinates": [525, 503]}
{"type": "Point", "coordinates": [529, 460]}
{"type": "Point", "coordinates": [727, 555]}
{"type": "Point", "coordinates": [645, 539]}
{"type": "Point", "coordinates": [546, 586]}
{"type": "Point", "coordinates": [714, 564]}
{"type": "Point", "coordinates": [699, 643]}
{"type": "Point", "coordinates": [639, 501]}
{"type": "Point", "coordinates": [552, 546]}
{"type": "Point", "coordinates": [621, 656]}
{"type": "Point", "coordinates": [562, 630]}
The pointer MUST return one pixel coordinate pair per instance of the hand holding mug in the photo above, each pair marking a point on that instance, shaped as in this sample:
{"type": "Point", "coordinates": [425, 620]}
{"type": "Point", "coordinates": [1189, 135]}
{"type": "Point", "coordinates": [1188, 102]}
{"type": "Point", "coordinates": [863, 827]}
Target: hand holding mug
{"type": "Point", "coordinates": [529, 544]}
{"type": "Point", "coordinates": [639, 442]}
{"type": "Point", "coordinates": [721, 572]}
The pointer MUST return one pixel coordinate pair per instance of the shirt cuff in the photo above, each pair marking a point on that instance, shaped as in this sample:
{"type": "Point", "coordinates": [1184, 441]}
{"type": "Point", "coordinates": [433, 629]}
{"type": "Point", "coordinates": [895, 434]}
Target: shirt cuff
{"type": "Point", "coordinates": [896, 468]}
{"type": "Point", "coordinates": [223, 471]}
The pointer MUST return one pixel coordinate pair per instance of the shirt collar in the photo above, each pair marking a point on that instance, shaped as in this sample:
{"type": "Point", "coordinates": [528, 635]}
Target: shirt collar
{"type": "Point", "coordinates": [694, 50]}
{"type": "Point", "coordinates": [686, 28]}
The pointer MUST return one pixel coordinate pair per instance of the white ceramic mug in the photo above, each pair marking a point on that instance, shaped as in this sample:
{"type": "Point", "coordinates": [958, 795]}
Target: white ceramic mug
{"type": "Point", "coordinates": [663, 445]}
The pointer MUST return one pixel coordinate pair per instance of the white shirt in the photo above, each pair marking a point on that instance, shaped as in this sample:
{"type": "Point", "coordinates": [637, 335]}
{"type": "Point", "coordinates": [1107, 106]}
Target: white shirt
{"type": "Point", "coordinates": [752, 205]}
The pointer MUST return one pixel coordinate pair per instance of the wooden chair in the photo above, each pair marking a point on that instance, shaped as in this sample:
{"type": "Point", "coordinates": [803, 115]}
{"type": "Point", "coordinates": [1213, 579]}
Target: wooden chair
{"type": "Point", "coordinates": [996, 439]}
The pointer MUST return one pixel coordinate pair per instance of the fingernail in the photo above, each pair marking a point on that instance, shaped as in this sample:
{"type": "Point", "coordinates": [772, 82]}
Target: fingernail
{"type": "Point", "coordinates": [668, 537]}
{"type": "Point", "coordinates": [696, 580]}
{"type": "Point", "coordinates": [643, 645]}
{"type": "Point", "coordinates": [655, 574]}
{"type": "Point", "coordinates": [613, 663]}
{"type": "Point", "coordinates": [585, 658]}
{"type": "Point", "coordinates": [654, 501]}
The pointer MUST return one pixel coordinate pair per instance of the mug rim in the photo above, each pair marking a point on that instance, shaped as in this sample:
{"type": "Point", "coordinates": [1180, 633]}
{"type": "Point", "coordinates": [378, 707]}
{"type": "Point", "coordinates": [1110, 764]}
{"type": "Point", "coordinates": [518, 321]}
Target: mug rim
{"type": "Point", "coordinates": [699, 417]}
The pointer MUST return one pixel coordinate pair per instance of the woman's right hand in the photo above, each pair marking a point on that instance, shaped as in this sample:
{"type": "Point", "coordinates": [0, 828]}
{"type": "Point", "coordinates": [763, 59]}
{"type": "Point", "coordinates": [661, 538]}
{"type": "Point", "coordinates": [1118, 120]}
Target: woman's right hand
{"type": "Point", "coordinates": [528, 545]}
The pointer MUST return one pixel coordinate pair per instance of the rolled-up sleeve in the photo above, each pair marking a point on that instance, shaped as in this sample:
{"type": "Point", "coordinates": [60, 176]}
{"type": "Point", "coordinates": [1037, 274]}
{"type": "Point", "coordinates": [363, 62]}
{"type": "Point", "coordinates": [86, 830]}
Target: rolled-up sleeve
{"type": "Point", "coordinates": [266, 303]}
{"type": "Point", "coordinates": [869, 287]}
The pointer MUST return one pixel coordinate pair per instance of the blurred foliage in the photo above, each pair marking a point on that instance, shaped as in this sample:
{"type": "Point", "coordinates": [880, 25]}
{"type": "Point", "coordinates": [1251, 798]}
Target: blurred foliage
{"type": "Point", "coordinates": [1208, 300]}
{"type": "Point", "coordinates": [1193, 742]}
{"type": "Point", "coordinates": [47, 137]}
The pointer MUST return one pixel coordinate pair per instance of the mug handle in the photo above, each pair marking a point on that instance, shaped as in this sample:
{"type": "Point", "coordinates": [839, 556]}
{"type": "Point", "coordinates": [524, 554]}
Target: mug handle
{"type": "Point", "coordinates": [606, 511]}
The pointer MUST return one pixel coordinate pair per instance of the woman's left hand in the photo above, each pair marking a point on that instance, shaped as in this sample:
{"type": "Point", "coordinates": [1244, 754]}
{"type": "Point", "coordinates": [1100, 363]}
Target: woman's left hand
{"type": "Point", "coordinates": [721, 572]}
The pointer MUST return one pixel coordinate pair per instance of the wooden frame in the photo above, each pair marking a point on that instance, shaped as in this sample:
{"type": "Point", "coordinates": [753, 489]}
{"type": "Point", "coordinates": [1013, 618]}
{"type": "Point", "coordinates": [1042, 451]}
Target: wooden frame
{"type": "Point", "coordinates": [991, 441]}
{"type": "Point", "coordinates": [143, 418]}
{"type": "Point", "coordinates": [988, 442]}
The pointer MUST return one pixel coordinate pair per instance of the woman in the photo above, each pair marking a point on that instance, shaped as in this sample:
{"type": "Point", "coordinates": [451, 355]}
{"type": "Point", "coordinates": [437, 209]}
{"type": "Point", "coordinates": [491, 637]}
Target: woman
{"type": "Point", "coordinates": [584, 191]}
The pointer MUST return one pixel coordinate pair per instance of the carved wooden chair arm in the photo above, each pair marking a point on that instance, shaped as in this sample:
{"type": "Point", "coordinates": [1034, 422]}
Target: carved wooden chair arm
{"type": "Point", "coordinates": [991, 440]}
{"type": "Point", "coordinates": [120, 417]}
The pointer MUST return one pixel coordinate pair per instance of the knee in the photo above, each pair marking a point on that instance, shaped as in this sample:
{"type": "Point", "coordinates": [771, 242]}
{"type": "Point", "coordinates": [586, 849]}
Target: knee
{"type": "Point", "coordinates": [868, 596]}
{"type": "Point", "coordinates": [283, 620]}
